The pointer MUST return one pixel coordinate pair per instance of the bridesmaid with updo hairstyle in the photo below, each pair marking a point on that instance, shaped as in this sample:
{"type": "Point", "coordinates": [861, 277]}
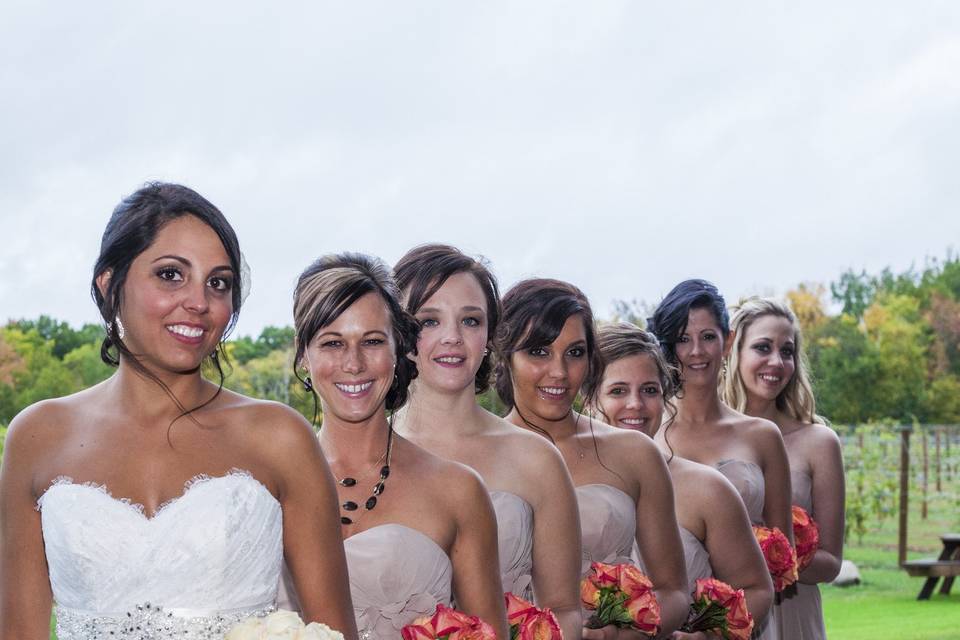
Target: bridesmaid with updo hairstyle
{"type": "Point", "coordinates": [633, 393]}
{"type": "Point", "coordinates": [693, 329]}
{"type": "Point", "coordinates": [547, 351]}
{"type": "Point", "coordinates": [456, 302]}
{"type": "Point", "coordinates": [767, 377]}
{"type": "Point", "coordinates": [418, 530]}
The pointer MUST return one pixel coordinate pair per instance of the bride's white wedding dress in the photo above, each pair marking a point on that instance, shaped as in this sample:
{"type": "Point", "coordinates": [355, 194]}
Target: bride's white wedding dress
{"type": "Point", "coordinates": [204, 561]}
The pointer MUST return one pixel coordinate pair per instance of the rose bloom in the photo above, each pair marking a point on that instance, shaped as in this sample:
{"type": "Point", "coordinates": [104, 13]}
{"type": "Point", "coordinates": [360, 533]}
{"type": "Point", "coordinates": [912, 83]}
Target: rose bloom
{"type": "Point", "coordinates": [319, 631]}
{"type": "Point", "coordinates": [739, 620]}
{"type": "Point", "coordinates": [249, 629]}
{"type": "Point", "coordinates": [518, 609]}
{"type": "Point", "coordinates": [589, 594]}
{"type": "Point", "coordinates": [633, 582]}
{"type": "Point", "coordinates": [806, 533]}
{"type": "Point", "coordinates": [416, 631]}
{"type": "Point", "coordinates": [780, 556]}
{"type": "Point", "coordinates": [605, 575]}
{"type": "Point", "coordinates": [645, 611]}
{"type": "Point", "coordinates": [540, 625]}
{"type": "Point", "coordinates": [448, 622]}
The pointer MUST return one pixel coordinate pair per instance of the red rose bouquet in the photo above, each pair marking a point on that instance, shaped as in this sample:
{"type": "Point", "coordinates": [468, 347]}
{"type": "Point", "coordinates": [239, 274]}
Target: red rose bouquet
{"type": "Point", "coordinates": [527, 622]}
{"type": "Point", "coordinates": [806, 533]}
{"type": "Point", "coordinates": [620, 595]}
{"type": "Point", "coordinates": [719, 608]}
{"type": "Point", "coordinates": [448, 624]}
{"type": "Point", "coordinates": [780, 556]}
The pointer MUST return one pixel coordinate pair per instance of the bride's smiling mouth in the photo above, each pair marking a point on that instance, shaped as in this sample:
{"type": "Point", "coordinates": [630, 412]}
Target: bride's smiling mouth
{"type": "Point", "coordinates": [186, 332]}
{"type": "Point", "coordinates": [355, 389]}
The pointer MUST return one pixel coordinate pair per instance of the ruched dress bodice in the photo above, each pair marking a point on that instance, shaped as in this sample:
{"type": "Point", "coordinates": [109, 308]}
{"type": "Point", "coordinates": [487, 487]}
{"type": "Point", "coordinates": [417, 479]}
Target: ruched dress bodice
{"type": "Point", "coordinates": [201, 563]}
{"type": "Point", "coordinates": [608, 525]}
{"type": "Point", "coordinates": [515, 538]}
{"type": "Point", "coordinates": [747, 479]}
{"type": "Point", "coordinates": [397, 574]}
{"type": "Point", "coordinates": [800, 613]}
{"type": "Point", "coordinates": [696, 557]}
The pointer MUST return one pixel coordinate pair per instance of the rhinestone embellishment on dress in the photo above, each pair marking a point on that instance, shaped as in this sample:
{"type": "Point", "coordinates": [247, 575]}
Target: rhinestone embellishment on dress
{"type": "Point", "coordinates": [149, 622]}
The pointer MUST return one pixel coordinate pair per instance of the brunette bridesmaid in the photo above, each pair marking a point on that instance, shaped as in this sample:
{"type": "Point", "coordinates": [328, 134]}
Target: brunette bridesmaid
{"type": "Point", "coordinates": [767, 377]}
{"type": "Point", "coordinates": [693, 328]}
{"type": "Point", "coordinates": [456, 301]}
{"type": "Point", "coordinates": [714, 528]}
{"type": "Point", "coordinates": [547, 351]}
{"type": "Point", "coordinates": [418, 530]}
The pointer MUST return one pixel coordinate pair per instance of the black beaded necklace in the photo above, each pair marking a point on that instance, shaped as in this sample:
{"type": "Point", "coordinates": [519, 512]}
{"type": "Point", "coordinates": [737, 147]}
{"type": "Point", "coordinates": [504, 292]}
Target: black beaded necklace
{"type": "Point", "coordinates": [347, 481]}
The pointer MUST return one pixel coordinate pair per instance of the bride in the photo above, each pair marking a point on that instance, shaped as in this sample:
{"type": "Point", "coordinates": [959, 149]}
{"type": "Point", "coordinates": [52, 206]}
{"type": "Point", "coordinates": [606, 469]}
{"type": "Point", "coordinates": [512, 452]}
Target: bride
{"type": "Point", "coordinates": [157, 504]}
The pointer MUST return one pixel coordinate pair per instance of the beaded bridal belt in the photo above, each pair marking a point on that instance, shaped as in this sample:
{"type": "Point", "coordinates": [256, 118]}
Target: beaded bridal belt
{"type": "Point", "coordinates": [150, 622]}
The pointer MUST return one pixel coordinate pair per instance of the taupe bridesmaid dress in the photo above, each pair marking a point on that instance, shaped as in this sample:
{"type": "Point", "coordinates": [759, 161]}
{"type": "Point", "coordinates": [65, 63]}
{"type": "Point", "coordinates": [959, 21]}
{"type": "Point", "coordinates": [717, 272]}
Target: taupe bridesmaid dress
{"type": "Point", "coordinates": [800, 613]}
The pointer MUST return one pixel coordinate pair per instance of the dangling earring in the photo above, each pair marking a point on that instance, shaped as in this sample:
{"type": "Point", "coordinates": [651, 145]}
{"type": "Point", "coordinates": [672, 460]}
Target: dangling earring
{"type": "Point", "coordinates": [307, 384]}
{"type": "Point", "coordinates": [486, 352]}
{"type": "Point", "coordinates": [723, 367]}
{"type": "Point", "coordinates": [120, 331]}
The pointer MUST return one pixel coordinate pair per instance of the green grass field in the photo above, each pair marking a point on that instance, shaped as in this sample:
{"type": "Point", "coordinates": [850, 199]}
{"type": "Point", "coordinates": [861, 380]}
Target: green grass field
{"type": "Point", "coordinates": [884, 605]}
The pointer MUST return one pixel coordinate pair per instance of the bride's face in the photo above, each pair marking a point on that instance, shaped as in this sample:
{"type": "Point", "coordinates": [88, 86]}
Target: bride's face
{"type": "Point", "coordinates": [351, 361]}
{"type": "Point", "coordinates": [546, 379]}
{"type": "Point", "coordinates": [177, 297]}
{"type": "Point", "coordinates": [453, 334]}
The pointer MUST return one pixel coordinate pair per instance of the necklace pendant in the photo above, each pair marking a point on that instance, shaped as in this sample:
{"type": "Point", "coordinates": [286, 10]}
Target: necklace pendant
{"type": "Point", "coordinates": [371, 503]}
{"type": "Point", "coordinates": [345, 520]}
{"type": "Point", "coordinates": [348, 482]}
{"type": "Point", "coordinates": [349, 505]}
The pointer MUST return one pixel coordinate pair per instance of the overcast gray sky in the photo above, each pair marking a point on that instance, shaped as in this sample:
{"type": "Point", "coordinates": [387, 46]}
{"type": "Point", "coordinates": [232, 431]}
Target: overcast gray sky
{"type": "Point", "coordinates": [622, 146]}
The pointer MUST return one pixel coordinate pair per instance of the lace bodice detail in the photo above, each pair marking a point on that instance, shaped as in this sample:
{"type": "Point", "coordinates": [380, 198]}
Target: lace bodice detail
{"type": "Point", "coordinates": [608, 524]}
{"type": "Point", "coordinates": [747, 479]}
{"type": "Point", "coordinates": [515, 537]}
{"type": "Point", "coordinates": [397, 574]}
{"type": "Point", "coordinates": [206, 559]}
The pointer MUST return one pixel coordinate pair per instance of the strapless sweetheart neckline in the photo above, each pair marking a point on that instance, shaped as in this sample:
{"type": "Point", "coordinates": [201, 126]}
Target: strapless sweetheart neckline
{"type": "Point", "coordinates": [139, 509]}
{"type": "Point", "coordinates": [608, 486]}
{"type": "Point", "coordinates": [399, 526]}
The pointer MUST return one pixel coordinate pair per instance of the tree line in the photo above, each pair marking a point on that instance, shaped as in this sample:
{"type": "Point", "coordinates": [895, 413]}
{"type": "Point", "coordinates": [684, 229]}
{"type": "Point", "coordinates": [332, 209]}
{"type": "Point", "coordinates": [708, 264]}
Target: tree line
{"type": "Point", "coordinates": [881, 347]}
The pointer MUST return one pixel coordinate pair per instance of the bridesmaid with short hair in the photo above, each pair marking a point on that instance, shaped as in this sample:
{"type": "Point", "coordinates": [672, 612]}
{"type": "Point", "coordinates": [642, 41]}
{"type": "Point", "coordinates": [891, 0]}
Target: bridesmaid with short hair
{"type": "Point", "coordinates": [767, 377]}
{"type": "Point", "coordinates": [633, 393]}
{"type": "Point", "coordinates": [547, 351]}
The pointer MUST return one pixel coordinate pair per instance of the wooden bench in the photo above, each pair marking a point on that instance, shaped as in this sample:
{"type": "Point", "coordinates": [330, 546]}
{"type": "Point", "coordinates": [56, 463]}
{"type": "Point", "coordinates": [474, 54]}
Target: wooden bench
{"type": "Point", "coordinates": [947, 566]}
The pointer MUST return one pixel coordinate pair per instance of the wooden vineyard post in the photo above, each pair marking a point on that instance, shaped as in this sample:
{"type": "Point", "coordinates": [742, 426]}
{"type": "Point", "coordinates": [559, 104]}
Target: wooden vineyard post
{"type": "Point", "coordinates": [926, 476]}
{"type": "Point", "coordinates": [936, 455]}
{"type": "Point", "coordinates": [904, 492]}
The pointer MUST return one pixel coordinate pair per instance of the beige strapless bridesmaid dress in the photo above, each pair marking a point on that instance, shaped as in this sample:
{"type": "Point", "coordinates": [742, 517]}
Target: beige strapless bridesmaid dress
{"type": "Point", "coordinates": [747, 479]}
{"type": "Point", "coordinates": [515, 543]}
{"type": "Point", "coordinates": [800, 612]}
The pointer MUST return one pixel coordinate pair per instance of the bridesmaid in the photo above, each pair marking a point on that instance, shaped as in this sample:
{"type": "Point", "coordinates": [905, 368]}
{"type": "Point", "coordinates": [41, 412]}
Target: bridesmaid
{"type": "Point", "coordinates": [547, 351]}
{"type": "Point", "coordinates": [418, 530]}
{"type": "Point", "coordinates": [632, 394]}
{"type": "Point", "coordinates": [692, 326]}
{"type": "Point", "coordinates": [768, 378]}
{"type": "Point", "coordinates": [456, 301]}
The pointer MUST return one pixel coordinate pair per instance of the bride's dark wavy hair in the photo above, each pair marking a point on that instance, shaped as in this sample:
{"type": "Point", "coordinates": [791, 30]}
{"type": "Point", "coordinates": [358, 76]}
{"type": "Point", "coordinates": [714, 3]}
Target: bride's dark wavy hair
{"type": "Point", "coordinates": [328, 287]}
{"type": "Point", "coordinates": [132, 228]}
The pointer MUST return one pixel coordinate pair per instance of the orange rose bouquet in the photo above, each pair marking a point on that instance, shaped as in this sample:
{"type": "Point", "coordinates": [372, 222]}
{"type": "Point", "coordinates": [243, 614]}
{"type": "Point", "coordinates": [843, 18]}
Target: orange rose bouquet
{"type": "Point", "coordinates": [719, 608]}
{"type": "Point", "coordinates": [448, 624]}
{"type": "Point", "coordinates": [780, 556]}
{"type": "Point", "coordinates": [527, 622]}
{"type": "Point", "coordinates": [620, 595]}
{"type": "Point", "coordinates": [806, 533]}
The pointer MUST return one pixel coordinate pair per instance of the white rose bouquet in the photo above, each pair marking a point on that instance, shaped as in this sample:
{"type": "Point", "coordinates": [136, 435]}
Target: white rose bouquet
{"type": "Point", "coordinates": [281, 625]}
